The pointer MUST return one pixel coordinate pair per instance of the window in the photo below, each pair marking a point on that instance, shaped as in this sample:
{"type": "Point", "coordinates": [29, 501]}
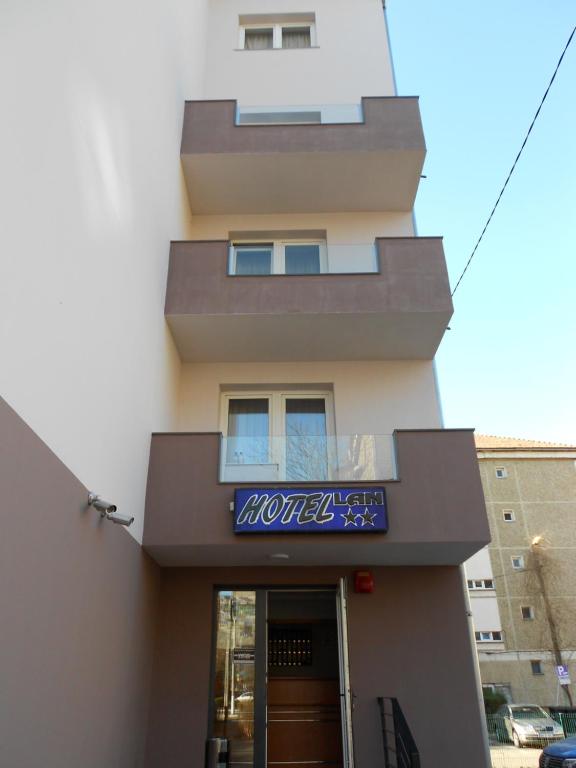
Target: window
{"type": "Point", "coordinates": [258, 39]}
{"type": "Point", "coordinates": [517, 562]}
{"type": "Point", "coordinates": [501, 472]}
{"type": "Point", "coordinates": [480, 584]}
{"type": "Point", "coordinates": [280, 257]}
{"type": "Point", "coordinates": [276, 435]}
{"type": "Point", "coordinates": [257, 33]}
{"type": "Point", "coordinates": [488, 637]}
{"type": "Point", "coordinates": [527, 612]}
{"type": "Point", "coordinates": [508, 516]}
{"type": "Point", "coordinates": [536, 666]}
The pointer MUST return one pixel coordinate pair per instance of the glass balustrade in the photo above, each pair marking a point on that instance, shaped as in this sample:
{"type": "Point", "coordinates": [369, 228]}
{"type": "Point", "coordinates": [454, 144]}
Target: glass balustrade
{"type": "Point", "coordinates": [303, 114]}
{"type": "Point", "coordinates": [307, 458]}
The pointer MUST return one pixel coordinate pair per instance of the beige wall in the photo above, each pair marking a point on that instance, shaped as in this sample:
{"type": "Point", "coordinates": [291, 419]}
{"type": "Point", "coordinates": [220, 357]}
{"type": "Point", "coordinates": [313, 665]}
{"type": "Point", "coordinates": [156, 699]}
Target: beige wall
{"type": "Point", "coordinates": [341, 228]}
{"type": "Point", "coordinates": [352, 60]}
{"type": "Point", "coordinates": [78, 603]}
{"type": "Point", "coordinates": [540, 489]}
{"type": "Point", "coordinates": [92, 104]}
{"type": "Point", "coordinates": [369, 397]}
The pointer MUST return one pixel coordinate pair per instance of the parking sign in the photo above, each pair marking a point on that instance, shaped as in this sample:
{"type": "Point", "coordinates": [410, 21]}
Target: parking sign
{"type": "Point", "coordinates": [562, 674]}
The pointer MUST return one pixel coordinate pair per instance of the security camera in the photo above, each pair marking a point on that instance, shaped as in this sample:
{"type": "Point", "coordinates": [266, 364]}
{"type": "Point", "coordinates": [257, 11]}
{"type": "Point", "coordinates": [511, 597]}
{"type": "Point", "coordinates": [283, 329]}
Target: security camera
{"type": "Point", "coordinates": [120, 519]}
{"type": "Point", "coordinates": [104, 507]}
{"type": "Point", "coordinates": [108, 510]}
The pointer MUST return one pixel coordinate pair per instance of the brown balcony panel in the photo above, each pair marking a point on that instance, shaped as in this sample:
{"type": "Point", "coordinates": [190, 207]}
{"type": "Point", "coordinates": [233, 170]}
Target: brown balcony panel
{"type": "Point", "coordinates": [400, 312]}
{"type": "Point", "coordinates": [370, 166]}
{"type": "Point", "coordinates": [436, 509]}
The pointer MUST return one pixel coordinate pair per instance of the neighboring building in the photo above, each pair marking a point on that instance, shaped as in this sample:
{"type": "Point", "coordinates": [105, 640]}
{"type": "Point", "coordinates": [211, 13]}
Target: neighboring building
{"type": "Point", "coordinates": [251, 393]}
{"type": "Point", "coordinates": [523, 585]}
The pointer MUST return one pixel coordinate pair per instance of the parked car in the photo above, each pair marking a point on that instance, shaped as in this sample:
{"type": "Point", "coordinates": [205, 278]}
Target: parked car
{"type": "Point", "coordinates": [559, 755]}
{"type": "Point", "coordinates": [529, 724]}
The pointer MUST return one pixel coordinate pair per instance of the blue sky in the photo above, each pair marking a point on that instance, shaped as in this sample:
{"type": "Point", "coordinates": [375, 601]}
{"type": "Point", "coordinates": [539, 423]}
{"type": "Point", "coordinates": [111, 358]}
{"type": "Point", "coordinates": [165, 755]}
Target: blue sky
{"type": "Point", "coordinates": [508, 364]}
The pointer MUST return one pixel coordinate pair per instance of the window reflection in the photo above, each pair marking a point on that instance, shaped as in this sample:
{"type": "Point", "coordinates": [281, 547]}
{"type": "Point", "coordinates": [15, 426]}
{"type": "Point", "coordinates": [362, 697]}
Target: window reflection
{"type": "Point", "coordinates": [234, 674]}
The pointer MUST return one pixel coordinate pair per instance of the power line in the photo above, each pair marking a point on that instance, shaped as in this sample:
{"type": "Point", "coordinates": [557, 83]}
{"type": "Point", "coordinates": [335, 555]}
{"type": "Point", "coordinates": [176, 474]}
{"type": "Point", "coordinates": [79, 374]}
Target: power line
{"type": "Point", "coordinates": [515, 162]}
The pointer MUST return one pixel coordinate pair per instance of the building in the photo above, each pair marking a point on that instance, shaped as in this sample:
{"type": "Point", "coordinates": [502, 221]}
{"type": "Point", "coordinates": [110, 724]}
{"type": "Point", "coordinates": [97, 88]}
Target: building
{"type": "Point", "coordinates": [523, 585]}
{"type": "Point", "coordinates": [217, 315]}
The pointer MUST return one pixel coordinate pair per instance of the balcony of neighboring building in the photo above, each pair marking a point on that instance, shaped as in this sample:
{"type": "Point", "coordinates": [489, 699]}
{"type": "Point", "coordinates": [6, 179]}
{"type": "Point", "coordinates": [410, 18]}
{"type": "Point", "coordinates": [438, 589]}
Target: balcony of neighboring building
{"type": "Point", "coordinates": [311, 309]}
{"type": "Point", "coordinates": [312, 158]}
{"type": "Point", "coordinates": [430, 478]}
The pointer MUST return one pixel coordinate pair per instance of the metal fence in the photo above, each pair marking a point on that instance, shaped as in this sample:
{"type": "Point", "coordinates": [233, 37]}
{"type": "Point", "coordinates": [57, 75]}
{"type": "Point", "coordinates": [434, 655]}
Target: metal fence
{"type": "Point", "coordinates": [503, 752]}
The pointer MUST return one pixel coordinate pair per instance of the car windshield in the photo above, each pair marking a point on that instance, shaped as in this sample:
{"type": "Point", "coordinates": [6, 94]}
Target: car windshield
{"type": "Point", "coordinates": [523, 713]}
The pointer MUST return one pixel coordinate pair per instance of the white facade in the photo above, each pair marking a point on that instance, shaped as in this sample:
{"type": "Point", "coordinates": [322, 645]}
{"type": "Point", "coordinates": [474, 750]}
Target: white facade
{"type": "Point", "coordinates": [92, 178]}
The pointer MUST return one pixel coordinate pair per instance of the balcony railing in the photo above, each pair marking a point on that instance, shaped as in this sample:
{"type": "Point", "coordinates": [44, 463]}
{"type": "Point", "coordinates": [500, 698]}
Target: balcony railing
{"type": "Point", "coordinates": [316, 259]}
{"type": "Point", "coordinates": [307, 459]}
{"type": "Point", "coordinates": [308, 114]}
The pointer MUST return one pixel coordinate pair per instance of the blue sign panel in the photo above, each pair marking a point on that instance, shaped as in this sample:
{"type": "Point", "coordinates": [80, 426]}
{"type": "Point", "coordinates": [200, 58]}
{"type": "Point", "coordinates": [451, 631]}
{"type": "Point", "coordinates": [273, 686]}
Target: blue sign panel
{"type": "Point", "coordinates": [310, 510]}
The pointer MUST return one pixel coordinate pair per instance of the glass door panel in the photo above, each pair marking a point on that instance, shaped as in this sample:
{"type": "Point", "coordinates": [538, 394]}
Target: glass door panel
{"type": "Point", "coordinates": [234, 678]}
{"type": "Point", "coordinates": [306, 440]}
{"type": "Point", "coordinates": [253, 259]}
{"type": "Point", "coordinates": [248, 431]}
{"type": "Point", "coordinates": [302, 259]}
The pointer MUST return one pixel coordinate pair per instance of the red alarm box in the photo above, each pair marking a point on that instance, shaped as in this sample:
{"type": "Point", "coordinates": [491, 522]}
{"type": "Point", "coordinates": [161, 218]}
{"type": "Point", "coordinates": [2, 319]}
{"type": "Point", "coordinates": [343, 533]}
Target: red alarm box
{"type": "Point", "coordinates": [363, 582]}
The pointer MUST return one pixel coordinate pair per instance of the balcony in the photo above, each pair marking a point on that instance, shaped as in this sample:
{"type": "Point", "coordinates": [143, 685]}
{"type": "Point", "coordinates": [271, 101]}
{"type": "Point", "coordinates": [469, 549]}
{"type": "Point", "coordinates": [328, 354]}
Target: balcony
{"type": "Point", "coordinates": [435, 503]}
{"type": "Point", "coordinates": [232, 165]}
{"type": "Point", "coordinates": [399, 311]}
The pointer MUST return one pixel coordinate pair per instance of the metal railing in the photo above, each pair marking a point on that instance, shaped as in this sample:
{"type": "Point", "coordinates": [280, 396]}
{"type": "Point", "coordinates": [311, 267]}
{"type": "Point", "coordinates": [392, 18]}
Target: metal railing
{"type": "Point", "coordinates": [308, 458]}
{"type": "Point", "coordinates": [400, 750]}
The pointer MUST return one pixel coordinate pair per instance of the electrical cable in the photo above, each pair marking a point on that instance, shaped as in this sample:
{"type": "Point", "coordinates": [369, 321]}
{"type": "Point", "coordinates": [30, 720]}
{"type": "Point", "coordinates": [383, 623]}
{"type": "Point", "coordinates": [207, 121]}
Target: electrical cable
{"type": "Point", "coordinates": [515, 162]}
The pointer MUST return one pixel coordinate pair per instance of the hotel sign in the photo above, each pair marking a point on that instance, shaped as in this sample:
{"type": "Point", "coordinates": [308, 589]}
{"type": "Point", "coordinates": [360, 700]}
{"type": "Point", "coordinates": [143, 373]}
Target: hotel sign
{"type": "Point", "coordinates": [310, 510]}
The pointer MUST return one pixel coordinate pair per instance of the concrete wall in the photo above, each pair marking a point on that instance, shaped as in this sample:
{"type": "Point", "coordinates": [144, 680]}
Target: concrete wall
{"type": "Point", "coordinates": [92, 104]}
{"type": "Point", "coordinates": [392, 653]}
{"type": "Point", "coordinates": [352, 58]}
{"type": "Point", "coordinates": [515, 670]}
{"type": "Point", "coordinates": [78, 602]}
{"type": "Point", "coordinates": [540, 490]}
{"type": "Point", "coordinates": [373, 398]}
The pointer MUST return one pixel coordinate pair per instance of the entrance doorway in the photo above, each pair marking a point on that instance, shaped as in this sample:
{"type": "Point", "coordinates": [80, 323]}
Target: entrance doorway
{"type": "Point", "coordinates": [281, 695]}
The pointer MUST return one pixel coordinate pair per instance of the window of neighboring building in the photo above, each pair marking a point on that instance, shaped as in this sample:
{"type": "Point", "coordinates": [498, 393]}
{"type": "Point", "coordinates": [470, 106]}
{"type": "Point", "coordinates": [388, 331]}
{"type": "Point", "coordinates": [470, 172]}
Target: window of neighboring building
{"type": "Point", "coordinates": [517, 562]}
{"type": "Point", "coordinates": [536, 666]}
{"type": "Point", "coordinates": [275, 32]}
{"type": "Point", "coordinates": [508, 515]}
{"type": "Point", "coordinates": [501, 472]}
{"type": "Point", "coordinates": [527, 612]}
{"type": "Point", "coordinates": [488, 637]}
{"type": "Point", "coordinates": [280, 257]}
{"type": "Point", "coordinates": [480, 584]}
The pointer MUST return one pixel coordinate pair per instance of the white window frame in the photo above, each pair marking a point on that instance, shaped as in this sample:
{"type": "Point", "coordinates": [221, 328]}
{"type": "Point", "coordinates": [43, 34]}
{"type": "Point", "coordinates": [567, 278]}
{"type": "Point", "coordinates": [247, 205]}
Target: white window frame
{"type": "Point", "coordinates": [520, 566]}
{"type": "Point", "coordinates": [490, 638]}
{"type": "Point", "coordinates": [277, 417]}
{"type": "Point", "coordinates": [278, 265]}
{"type": "Point", "coordinates": [277, 27]}
{"type": "Point", "coordinates": [479, 584]}
{"type": "Point", "coordinates": [501, 472]}
{"type": "Point", "coordinates": [511, 519]}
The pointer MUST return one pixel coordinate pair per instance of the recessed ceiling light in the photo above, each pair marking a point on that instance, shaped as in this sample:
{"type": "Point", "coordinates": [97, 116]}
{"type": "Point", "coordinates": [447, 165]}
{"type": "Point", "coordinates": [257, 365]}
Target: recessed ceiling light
{"type": "Point", "coordinates": [279, 556]}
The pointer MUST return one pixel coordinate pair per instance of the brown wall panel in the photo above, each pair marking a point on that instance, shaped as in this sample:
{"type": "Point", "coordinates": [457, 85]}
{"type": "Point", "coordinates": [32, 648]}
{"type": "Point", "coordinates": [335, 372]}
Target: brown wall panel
{"type": "Point", "coordinates": [408, 639]}
{"type": "Point", "coordinates": [78, 601]}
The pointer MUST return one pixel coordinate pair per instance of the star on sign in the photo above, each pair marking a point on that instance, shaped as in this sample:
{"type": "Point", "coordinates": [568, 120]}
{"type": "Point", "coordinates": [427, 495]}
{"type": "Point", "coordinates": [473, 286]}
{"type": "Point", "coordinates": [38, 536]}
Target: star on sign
{"type": "Point", "coordinates": [350, 518]}
{"type": "Point", "coordinates": [367, 517]}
